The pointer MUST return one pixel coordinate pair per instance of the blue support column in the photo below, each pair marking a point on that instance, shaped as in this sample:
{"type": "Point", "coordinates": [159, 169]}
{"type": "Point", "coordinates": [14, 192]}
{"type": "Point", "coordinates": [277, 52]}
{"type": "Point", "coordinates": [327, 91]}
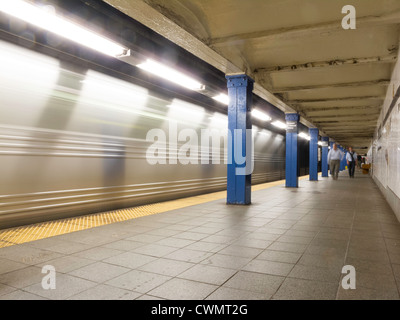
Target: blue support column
{"type": "Point", "coordinates": [344, 162]}
{"type": "Point", "coordinates": [240, 162]}
{"type": "Point", "coordinates": [313, 154]}
{"type": "Point", "coordinates": [324, 157]}
{"type": "Point", "coordinates": [292, 121]}
{"type": "Point", "coordinates": [341, 162]}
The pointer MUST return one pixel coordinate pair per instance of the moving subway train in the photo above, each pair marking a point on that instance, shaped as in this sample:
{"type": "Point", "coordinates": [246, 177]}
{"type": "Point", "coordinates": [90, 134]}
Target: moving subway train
{"type": "Point", "coordinates": [75, 141]}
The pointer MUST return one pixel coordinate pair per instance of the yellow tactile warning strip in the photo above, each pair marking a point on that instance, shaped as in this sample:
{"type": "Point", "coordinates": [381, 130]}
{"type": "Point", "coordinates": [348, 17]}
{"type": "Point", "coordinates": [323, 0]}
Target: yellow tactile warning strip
{"type": "Point", "coordinates": [9, 237]}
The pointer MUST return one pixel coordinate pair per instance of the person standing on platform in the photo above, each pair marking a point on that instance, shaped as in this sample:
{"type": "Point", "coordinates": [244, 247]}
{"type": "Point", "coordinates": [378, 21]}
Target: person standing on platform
{"type": "Point", "coordinates": [352, 159]}
{"type": "Point", "coordinates": [335, 155]}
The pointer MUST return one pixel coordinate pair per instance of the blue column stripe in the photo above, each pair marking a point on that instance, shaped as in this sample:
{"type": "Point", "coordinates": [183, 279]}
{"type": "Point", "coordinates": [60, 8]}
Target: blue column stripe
{"type": "Point", "coordinates": [240, 88]}
{"type": "Point", "coordinates": [292, 180]}
{"type": "Point", "coordinates": [324, 157]}
{"type": "Point", "coordinates": [313, 154]}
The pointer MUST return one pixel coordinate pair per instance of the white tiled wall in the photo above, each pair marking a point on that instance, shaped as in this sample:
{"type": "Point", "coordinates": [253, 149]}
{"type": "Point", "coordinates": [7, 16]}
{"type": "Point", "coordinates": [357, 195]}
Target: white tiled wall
{"type": "Point", "coordinates": [386, 148]}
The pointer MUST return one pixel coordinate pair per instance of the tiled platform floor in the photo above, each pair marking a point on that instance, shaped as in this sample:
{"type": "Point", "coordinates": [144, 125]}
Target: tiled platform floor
{"type": "Point", "coordinates": [289, 244]}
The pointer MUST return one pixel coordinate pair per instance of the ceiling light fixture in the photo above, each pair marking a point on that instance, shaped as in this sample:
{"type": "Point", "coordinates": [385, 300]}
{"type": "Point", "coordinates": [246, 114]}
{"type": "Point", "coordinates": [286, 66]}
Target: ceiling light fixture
{"type": "Point", "coordinates": [171, 74]}
{"type": "Point", "coordinates": [279, 124]}
{"type": "Point", "coordinates": [223, 98]}
{"type": "Point", "coordinates": [260, 115]}
{"type": "Point", "coordinates": [47, 20]}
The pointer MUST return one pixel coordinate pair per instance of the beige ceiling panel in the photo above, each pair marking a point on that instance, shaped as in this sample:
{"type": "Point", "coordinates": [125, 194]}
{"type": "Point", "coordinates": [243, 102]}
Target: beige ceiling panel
{"type": "Point", "coordinates": [337, 92]}
{"type": "Point", "coordinates": [333, 76]}
{"type": "Point", "coordinates": [344, 44]}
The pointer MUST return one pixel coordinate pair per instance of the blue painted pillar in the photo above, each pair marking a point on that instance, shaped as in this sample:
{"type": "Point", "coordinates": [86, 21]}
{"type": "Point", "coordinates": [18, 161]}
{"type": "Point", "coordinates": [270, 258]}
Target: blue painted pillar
{"type": "Point", "coordinates": [344, 162]}
{"type": "Point", "coordinates": [292, 121]}
{"type": "Point", "coordinates": [313, 154]}
{"type": "Point", "coordinates": [240, 161]}
{"type": "Point", "coordinates": [324, 157]}
{"type": "Point", "coordinates": [341, 168]}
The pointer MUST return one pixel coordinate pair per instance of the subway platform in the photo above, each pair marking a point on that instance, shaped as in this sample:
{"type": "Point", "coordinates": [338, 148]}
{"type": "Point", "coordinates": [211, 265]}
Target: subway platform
{"type": "Point", "coordinates": [289, 244]}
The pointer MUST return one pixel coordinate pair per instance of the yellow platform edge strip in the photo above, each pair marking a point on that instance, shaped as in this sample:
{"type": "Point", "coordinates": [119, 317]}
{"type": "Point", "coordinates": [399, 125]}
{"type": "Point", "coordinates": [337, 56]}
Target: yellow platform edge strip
{"type": "Point", "coordinates": [23, 234]}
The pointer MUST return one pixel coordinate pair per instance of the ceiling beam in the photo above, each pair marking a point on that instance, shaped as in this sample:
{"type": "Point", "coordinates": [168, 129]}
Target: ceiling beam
{"type": "Point", "coordinates": [354, 132]}
{"type": "Point", "coordinates": [306, 30]}
{"type": "Point", "coordinates": [326, 109]}
{"type": "Point", "coordinates": [382, 82]}
{"type": "Point", "coordinates": [326, 64]}
{"type": "Point", "coordinates": [336, 99]}
{"type": "Point", "coordinates": [360, 116]}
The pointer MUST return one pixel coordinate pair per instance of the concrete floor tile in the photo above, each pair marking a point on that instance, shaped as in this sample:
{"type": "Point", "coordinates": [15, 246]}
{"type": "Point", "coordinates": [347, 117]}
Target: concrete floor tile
{"type": "Point", "coordinates": [220, 239]}
{"type": "Point", "coordinates": [323, 261]}
{"type": "Point", "coordinates": [369, 266]}
{"type": "Point", "coordinates": [124, 245]}
{"type": "Point", "coordinates": [147, 238]}
{"type": "Point", "coordinates": [148, 297]}
{"type": "Point", "coordinates": [371, 255]}
{"type": "Point", "coordinates": [138, 281]}
{"type": "Point", "coordinates": [279, 256]}
{"type": "Point", "coordinates": [162, 232]}
{"type": "Point", "coordinates": [255, 282]}
{"type": "Point", "coordinates": [326, 251]}
{"type": "Point", "coordinates": [299, 289]}
{"type": "Point", "coordinates": [66, 286]}
{"type": "Point", "coordinates": [240, 251]}
{"type": "Point", "coordinates": [206, 246]}
{"type": "Point", "coordinates": [166, 267]}
{"type": "Point", "coordinates": [376, 281]}
{"type": "Point", "coordinates": [208, 274]}
{"type": "Point", "coordinates": [9, 265]}
{"type": "Point", "coordinates": [263, 236]}
{"type": "Point", "coordinates": [129, 260]}
{"type": "Point", "coordinates": [26, 254]}
{"type": "Point", "coordinates": [4, 289]}
{"type": "Point", "coordinates": [269, 267]}
{"type": "Point", "coordinates": [21, 295]}
{"type": "Point", "coordinates": [294, 239]}
{"type": "Point", "coordinates": [175, 242]}
{"type": "Point", "coordinates": [182, 289]}
{"type": "Point", "coordinates": [361, 293]}
{"type": "Point", "coordinates": [189, 235]}
{"type": "Point", "coordinates": [288, 247]}
{"type": "Point", "coordinates": [97, 253]}
{"type": "Point", "coordinates": [248, 242]}
{"type": "Point", "coordinates": [224, 293]}
{"type": "Point", "coordinates": [226, 261]}
{"type": "Point", "coordinates": [66, 264]}
{"type": "Point", "coordinates": [315, 273]}
{"type": "Point", "coordinates": [187, 255]}
{"type": "Point", "coordinates": [105, 292]}
{"type": "Point", "coordinates": [99, 272]}
{"type": "Point", "coordinates": [22, 277]}
{"type": "Point", "coordinates": [154, 250]}
{"type": "Point", "coordinates": [60, 246]}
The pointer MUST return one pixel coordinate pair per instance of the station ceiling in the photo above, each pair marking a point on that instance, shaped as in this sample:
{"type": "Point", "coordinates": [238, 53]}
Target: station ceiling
{"type": "Point", "coordinates": [296, 50]}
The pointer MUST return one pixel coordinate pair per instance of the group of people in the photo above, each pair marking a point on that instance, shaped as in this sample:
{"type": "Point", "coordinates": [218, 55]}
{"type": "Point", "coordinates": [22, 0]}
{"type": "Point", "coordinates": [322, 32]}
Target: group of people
{"type": "Point", "coordinates": [335, 156]}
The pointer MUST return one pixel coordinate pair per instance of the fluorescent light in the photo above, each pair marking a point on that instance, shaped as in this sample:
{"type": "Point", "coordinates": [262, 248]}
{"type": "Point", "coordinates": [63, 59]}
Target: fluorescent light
{"type": "Point", "coordinates": [304, 136]}
{"type": "Point", "coordinates": [219, 120]}
{"type": "Point", "coordinates": [260, 115]}
{"type": "Point", "coordinates": [320, 143]}
{"type": "Point", "coordinates": [279, 124]}
{"type": "Point", "coordinates": [51, 22]}
{"type": "Point", "coordinates": [170, 74]}
{"type": "Point", "coordinates": [223, 98]}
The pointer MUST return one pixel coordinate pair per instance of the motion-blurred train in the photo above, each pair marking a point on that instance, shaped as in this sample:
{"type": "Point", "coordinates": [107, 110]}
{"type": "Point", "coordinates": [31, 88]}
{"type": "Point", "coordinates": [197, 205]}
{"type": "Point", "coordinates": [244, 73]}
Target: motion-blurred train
{"type": "Point", "coordinates": [73, 141]}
